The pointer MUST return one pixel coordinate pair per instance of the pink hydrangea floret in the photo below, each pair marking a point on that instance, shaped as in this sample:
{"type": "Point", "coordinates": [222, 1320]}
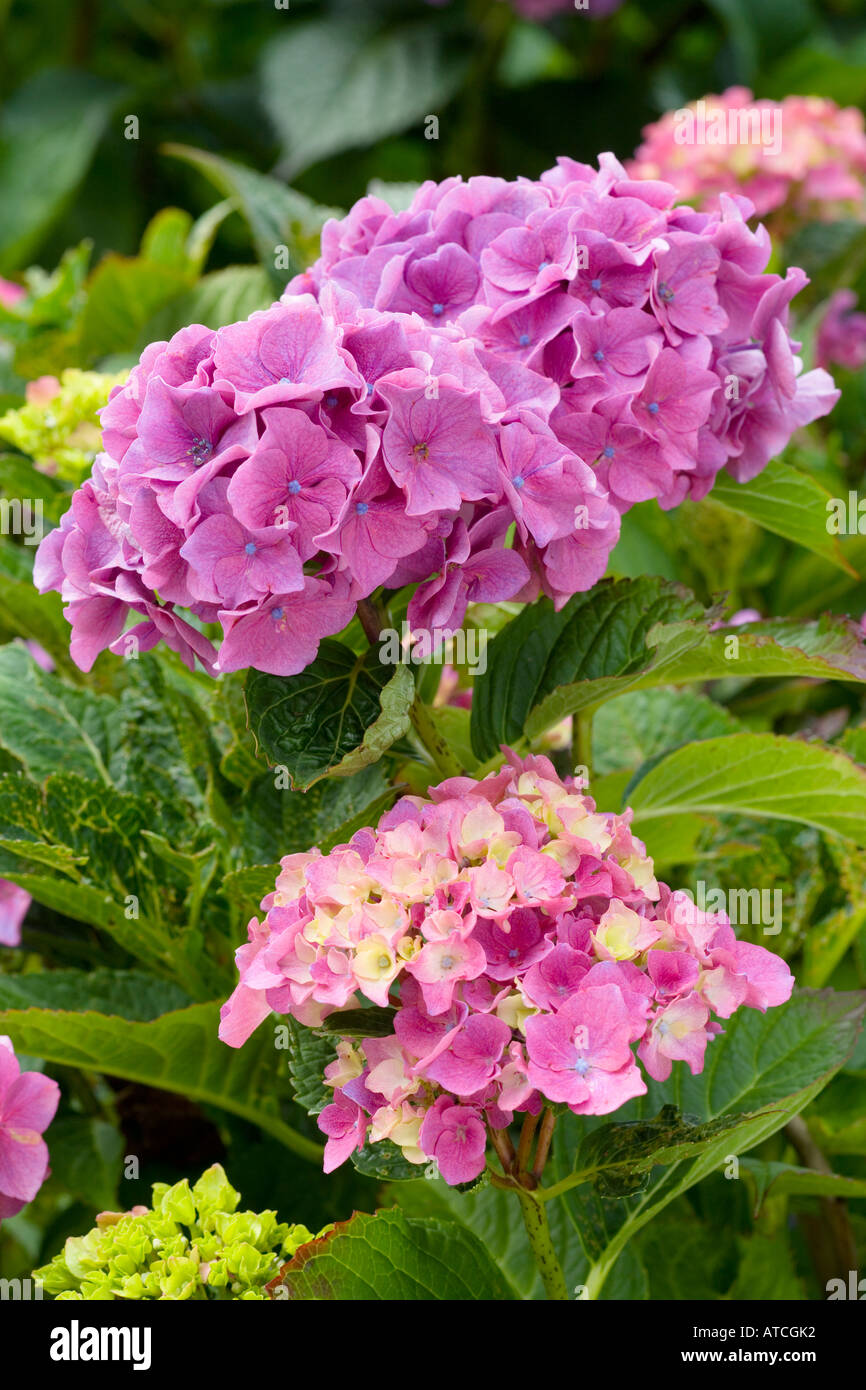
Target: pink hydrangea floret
{"type": "Point", "coordinates": [28, 1102]}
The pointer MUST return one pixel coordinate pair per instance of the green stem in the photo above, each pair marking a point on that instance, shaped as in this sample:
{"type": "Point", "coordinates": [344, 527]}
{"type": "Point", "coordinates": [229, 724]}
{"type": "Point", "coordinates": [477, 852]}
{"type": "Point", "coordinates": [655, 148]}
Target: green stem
{"type": "Point", "coordinates": [538, 1231]}
{"type": "Point", "coordinates": [583, 741]}
{"type": "Point", "coordinates": [425, 728]}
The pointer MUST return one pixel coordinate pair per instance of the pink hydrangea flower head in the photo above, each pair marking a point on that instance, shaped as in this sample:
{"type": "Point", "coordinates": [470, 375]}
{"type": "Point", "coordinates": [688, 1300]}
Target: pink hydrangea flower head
{"type": "Point", "coordinates": [528, 953]}
{"type": "Point", "coordinates": [801, 159]}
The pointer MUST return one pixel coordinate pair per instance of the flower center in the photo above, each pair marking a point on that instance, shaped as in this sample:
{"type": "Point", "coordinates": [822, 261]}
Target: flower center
{"type": "Point", "coordinates": [250, 548]}
{"type": "Point", "coordinates": [596, 284]}
{"type": "Point", "coordinates": [519, 482]}
{"type": "Point", "coordinates": [294, 487]}
{"type": "Point", "coordinates": [362, 508]}
{"type": "Point", "coordinates": [438, 309]}
{"type": "Point", "coordinates": [523, 340]}
{"type": "Point", "coordinates": [653, 407]}
{"type": "Point", "coordinates": [598, 355]}
{"type": "Point", "coordinates": [609, 451]}
{"type": "Point", "coordinates": [276, 614]}
{"type": "Point", "coordinates": [331, 401]}
{"type": "Point", "coordinates": [421, 451]}
{"type": "Point", "coordinates": [447, 962]}
{"type": "Point", "coordinates": [201, 449]}
{"type": "Point", "coordinates": [665, 292]}
{"type": "Point", "coordinates": [581, 1066]}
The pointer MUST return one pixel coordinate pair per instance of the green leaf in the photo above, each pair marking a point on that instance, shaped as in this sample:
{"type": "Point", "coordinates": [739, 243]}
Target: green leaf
{"type": "Point", "coordinates": [87, 1160]}
{"type": "Point", "coordinates": [392, 1257]}
{"type": "Point", "coordinates": [360, 1023]}
{"type": "Point", "coordinates": [341, 714]}
{"type": "Point", "coordinates": [618, 1157]}
{"type": "Point", "coordinates": [52, 726]}
{"type": "Point", "coordinates": [309, 1054]}
{"type": "Point", "coordinates": [633, 728]}
{"type": "Point", "coordinates": [351, 84]}
{"type": "Point", "coordinates": [788, 503]}
{"type": "Point", "coordinates": [598, 637]}
{"type": "Point", "coordinates": [129, 994]}
{"type": "Point", "coordinates": [768, 1179]}
{"type": "Point", "coordinates": [276, 214]}
{"type": "Point", "coordinates": [384, 1162]}
{"type": "Point", "coordinates": [123, 293]}
{"type": "Point", "coordinates": [767, 1271]}
{"type": "Point", "coordinates": [49, 132]}
{"type": "Point", "coordinates": [179, 1052]}
{"type": "Point", "coordinates": [761, 775]}
{"type": "Point", "coordinates": [761, 1072]}
{"type": "Point", "coordinates": [636, 634]}
{"type": "Point", "coordinates": [226, 296]}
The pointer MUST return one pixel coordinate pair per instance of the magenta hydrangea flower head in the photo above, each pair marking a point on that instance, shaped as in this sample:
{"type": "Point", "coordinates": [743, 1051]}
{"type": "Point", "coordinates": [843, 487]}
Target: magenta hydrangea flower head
{"type": "Point", "coordinates": [801, 159]}
{"type": "Point", "coordinates": [28, 1101]}
{"type": "Point", "coordinates": [528, 953]}
{"type": "Point", "coordinates": [465, 396]}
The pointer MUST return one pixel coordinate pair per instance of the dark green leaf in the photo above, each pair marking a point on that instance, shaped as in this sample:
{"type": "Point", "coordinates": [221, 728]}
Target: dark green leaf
{"type": "Point", "coordinates": [341, 714]}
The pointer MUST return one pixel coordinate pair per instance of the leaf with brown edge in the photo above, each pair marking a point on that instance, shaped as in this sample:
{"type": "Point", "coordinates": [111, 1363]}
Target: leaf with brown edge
{"type": "Point", "coordinates": [392, 1257]}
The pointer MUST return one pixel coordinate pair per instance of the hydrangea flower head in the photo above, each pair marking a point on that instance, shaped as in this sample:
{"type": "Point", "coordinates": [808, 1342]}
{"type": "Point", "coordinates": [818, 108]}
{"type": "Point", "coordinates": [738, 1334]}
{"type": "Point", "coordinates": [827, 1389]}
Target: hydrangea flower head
{"type": "Point", "coordinates": [528, 953]}
{"type": "Point", "coordinates": [802, 159]}
{"type": "Point", "coordinates": [465, 396]}
{"type": "Point", "coordinates": [191, 1243]}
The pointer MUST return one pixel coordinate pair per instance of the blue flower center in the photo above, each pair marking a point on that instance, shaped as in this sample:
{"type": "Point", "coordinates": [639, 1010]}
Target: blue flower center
{"type": "Point", "coordinates": [581, 1066]}
{"type": "Point", "coordinates": [543, 265]}
{"type": "Point", "coordinates": [653, 407]}
{"type": "Point", "coordinates": [609, 451]}
{"type": "Point", "coordinates": [518, 482]}
{"type": "Point", "coordinates": [201, 449]}
{"type": "Point", "coordinates": [598, 355]}
{"type": "Point", "coordinates": [276, 614]}
{"type": "Point", "coordinates": [596, 284]}
{"type": "Point", "coordinates": [294, 487]}
{"type": "Point", "coordinates": [438, 309]}
{"type": "Point", "coordinates": [523, 340]}
{"type": "Point", "coordinates": [371, 386]}
{"type": "Point", "coordinates": [665, 292]}
{"type": "Point", "coordinates": [250, 548]}
{"type": "Point", "coordinates": [331, 401]}
{"type": "Point", "coordinates": [362, 508]}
